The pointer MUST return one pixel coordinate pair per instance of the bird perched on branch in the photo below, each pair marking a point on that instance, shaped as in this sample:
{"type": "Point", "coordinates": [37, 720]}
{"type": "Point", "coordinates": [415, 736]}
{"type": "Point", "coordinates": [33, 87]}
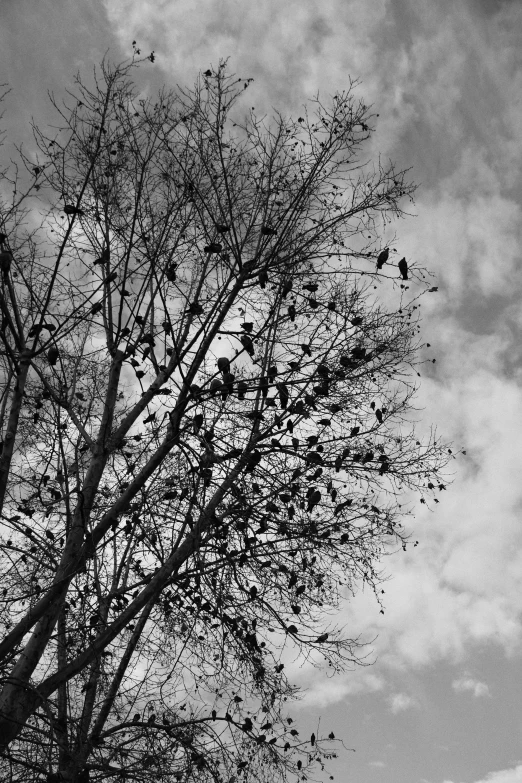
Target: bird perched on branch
{"type": "Point", "coordinates": [53, 355]}
{"type": "Point", "coordinates": [403, 268]}
{"type": "Point", "coordinates": [6, 256]}
{"type": "Point", "coordinates": [215, 386]}
{"type": "Point", "coordinates": [382, 258]}
{"type": "Point", "coordinates": [223, 364]}
{"type": "Point", "coordinates": [70, 209]}
{"type": "Point", "coordinates": [247, 344]}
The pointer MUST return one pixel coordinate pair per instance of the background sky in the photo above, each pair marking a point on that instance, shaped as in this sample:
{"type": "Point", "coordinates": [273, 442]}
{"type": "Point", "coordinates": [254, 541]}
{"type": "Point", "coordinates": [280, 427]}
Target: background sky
{"type": "Point", "coordinates": [443, 700]}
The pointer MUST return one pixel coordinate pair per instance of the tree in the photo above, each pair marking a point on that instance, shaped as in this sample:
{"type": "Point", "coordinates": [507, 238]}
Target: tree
{"type": "Point", "coordinates": [206, 417]}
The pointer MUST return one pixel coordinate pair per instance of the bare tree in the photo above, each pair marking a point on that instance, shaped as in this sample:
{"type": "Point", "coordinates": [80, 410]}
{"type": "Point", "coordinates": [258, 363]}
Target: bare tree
{"type": "Point", "coordinates": [208, 363]}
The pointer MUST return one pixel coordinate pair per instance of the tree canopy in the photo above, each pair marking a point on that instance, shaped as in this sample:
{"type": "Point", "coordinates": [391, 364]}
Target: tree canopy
{"type": "Point", "coordinates": [208, 362]}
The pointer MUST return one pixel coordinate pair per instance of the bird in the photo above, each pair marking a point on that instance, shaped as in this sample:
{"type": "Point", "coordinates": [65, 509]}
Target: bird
{"type": "Point", "coordinates": [69, 209]}
{"type": "Point", "coordinates": [313, 500]}
{"type": "Point", "coordinates": [214, 247]}
{"type": "Point", "coordinates": [382, 258]}
{"type": "Point", "coordinates": [263, 278]}
{"type": "Point", "coordinates": [136, 717]}
{"type": "Point", "coordinates": [266, 231]}
{"type": "Point", "coordinates": [322, 638]}
{"type": "Point", "coordinates": [197, 423]}
{"type": "Point", "coordinates": [263, 383]}
{"type": "Point", "coordinates": [284, 396]}
{"type": "Point", "coordinates": [105, 256]}
{"type": "Point", "coordinates": [228, 385]}
{"type": "Point", "coordinates": [403, 268]}
{"type": "Point", "coordinates": [215, 386]}
{"type": "Point", "coordinates": [53, 355]}
{"type": "Point", "coordinates": [223, 364]}
{"type": "Point", "coordinates": [287, 287]}
{"type": "Point", "coordinates": [322, 370]}
{"type": "Point", "coordinates": [242, 388]}
{"type": "Point", "coordinates": [5, 261]}
{"type": "Point", "coordinates": [195, 308]}
{"type": "Point", "coordinates": [222, 228]}
{"type": "Point", "coordinates": [247, 344]}
{"type": "Point", "coordinates": [291, 313]}
{"type": "Point", "coordinates": [378, 414]}
{"type": "Point", "coordinates": [170, 273]}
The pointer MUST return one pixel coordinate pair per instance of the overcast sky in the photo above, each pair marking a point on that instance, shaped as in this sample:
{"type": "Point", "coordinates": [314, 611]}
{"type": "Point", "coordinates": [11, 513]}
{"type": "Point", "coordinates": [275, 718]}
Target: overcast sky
{"type": "Point", "coordinates": [442, 702]}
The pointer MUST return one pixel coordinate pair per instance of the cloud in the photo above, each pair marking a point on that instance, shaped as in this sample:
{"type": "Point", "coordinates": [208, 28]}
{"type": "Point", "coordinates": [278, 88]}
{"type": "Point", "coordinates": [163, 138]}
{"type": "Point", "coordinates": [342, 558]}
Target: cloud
{"type": "Point", "coordinates": [320, 690]}
{"type": "Point", "coordinates": [502, 776]}
{"type": "Point", "coordinates": [469, 684]}
{"type": "Point", "coordinates": [401, 701]}
{"type": "Point", "coordinates": [377, 764]}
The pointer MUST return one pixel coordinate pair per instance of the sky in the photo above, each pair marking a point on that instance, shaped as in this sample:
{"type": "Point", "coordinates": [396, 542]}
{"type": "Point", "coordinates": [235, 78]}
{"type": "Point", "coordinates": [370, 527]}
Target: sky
{"type": "Point", "coordinates": [441, 702]}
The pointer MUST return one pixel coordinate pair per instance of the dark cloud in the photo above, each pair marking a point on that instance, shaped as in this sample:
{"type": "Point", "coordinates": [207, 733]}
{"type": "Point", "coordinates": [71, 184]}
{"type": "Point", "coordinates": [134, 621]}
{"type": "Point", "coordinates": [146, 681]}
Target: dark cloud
{"type": "Point", "coordinates": [42, 46]}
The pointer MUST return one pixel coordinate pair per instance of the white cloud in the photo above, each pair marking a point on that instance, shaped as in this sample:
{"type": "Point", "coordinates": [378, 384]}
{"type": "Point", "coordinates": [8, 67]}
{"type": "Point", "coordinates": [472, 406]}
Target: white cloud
{"type": "Point", "coordinates": [320, 690]}
{"type": "Point", "coordinates": [377, 764]}
{"type": "Point", "coordinates": [401, 701]}
{"type": "Point", "coordinates": [502, 776]}
{"type": "Point", "coordinates": [469, 684]}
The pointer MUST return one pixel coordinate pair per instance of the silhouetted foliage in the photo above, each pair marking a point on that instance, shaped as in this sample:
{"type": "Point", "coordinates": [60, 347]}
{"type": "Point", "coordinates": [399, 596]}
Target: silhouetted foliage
{"type": "Point", "coordinates": [207, 375]}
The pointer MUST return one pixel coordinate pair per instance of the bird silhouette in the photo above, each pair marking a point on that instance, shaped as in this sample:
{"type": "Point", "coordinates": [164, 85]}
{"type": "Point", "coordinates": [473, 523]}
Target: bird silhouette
{"type": "Point", "coordinates": [6, 258]}
{"type": "Point", "coordinates": [263, 278]}
{"type": "Point", "coordinates": [382, 258]}
{"type": "Point", "coordinates": [223, 364]}
{"type": "Point", "coordinates": [53, 355]}
{"type": "Point", "coordinates": [284, 396]}
{"type": "Point", "coordinates": [403, 268]}
{"type": "Point", "coordinates": [287, 287]}
{"type": "Point", "coordinates": [69, 209]}
{"type": "Point", "coordinates": [228, 384]}
{"type": "Point", "coordinates": [170, 273]}
{"type": "Point", "coordinates": [247, 344]}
